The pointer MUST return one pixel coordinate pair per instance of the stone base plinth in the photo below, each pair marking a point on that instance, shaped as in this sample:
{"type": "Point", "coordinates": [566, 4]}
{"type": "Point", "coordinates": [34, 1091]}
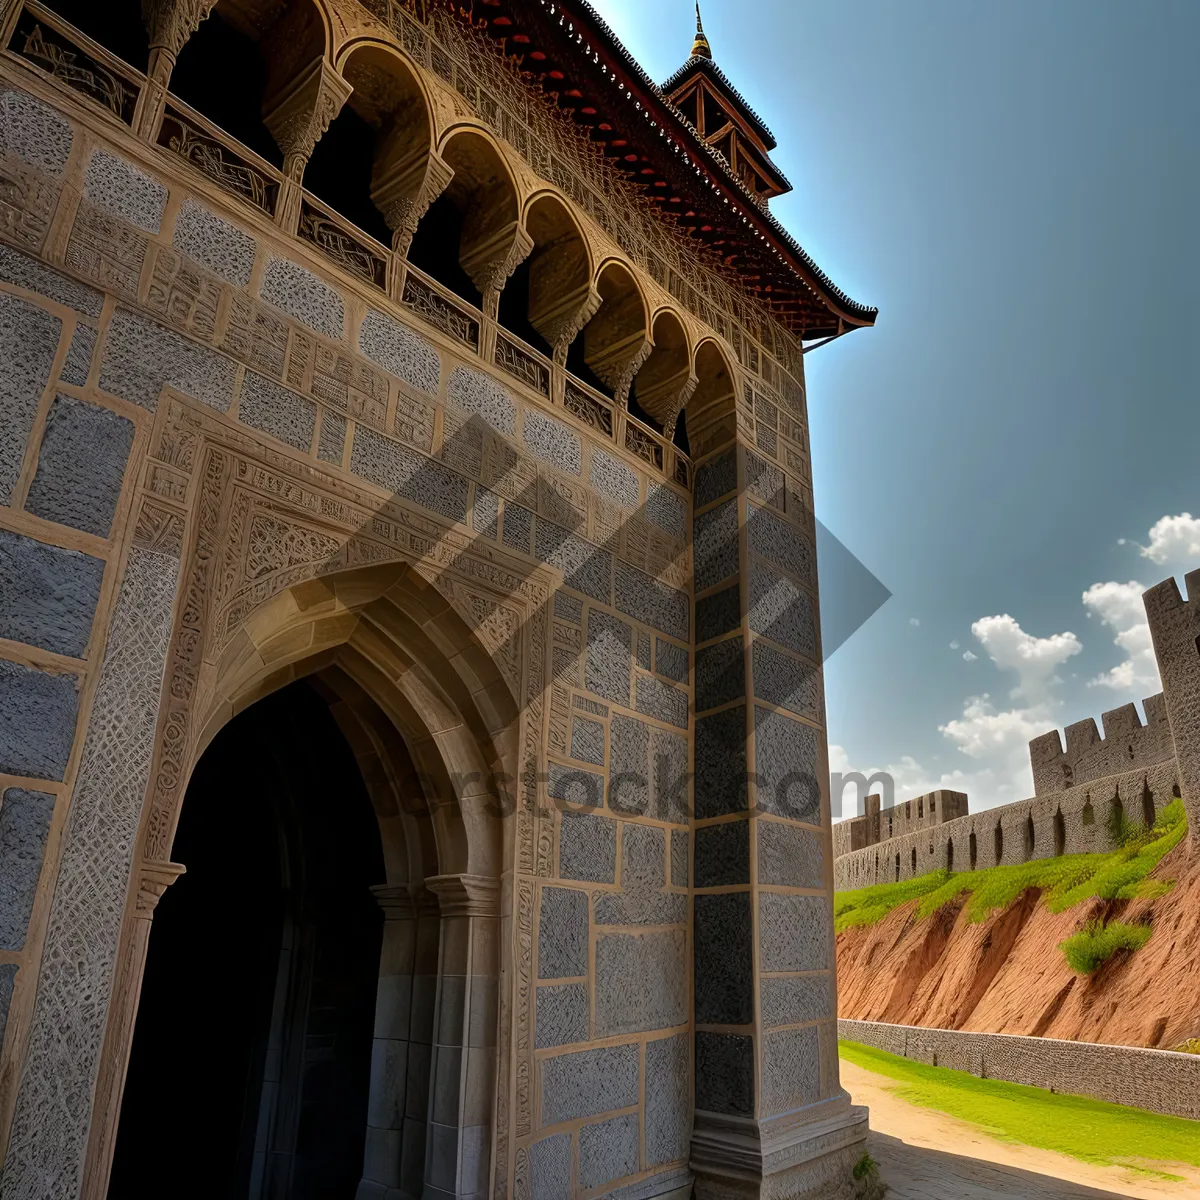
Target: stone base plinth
{"type": "Point", "coordinates": [786, 1158]}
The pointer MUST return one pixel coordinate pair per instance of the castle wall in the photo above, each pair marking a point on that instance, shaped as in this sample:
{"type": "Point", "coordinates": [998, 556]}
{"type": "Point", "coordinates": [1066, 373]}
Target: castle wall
{"type": "Point", "coordinates": [1073, 821]}
{"type": "Point", "coordinates": [1126, 743]}
{"type": "Point", "coordinates": [879, 824]}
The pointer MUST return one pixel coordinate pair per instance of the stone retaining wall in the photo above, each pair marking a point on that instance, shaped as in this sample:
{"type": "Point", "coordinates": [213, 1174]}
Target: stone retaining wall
{"type": "Point", "coordinates": [1161, 1081]}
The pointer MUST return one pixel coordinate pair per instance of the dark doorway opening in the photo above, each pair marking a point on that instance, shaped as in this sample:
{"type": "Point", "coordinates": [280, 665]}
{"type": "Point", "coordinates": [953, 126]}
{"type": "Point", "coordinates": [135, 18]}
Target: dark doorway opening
{"type": "Point", "coordinates": [513, 312]}
{"type": "Point", "coordinates": [973, 845]}
{"type": "Point", "coordinates": [1060, 834]}
{"type": "Point", "coordinates": [251, 1058]}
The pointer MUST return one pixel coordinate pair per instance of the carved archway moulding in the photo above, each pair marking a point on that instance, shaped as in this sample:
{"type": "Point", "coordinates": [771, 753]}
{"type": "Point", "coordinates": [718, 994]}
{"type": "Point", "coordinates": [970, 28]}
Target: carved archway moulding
{"type": "Point", "coordinates": [249, 524]}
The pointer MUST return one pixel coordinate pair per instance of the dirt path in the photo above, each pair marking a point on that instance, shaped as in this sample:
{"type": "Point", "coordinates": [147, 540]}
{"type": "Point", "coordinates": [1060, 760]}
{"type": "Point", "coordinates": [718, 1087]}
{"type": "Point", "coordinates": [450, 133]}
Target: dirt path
{"type": "Point", "coordinates": [926, 1155]}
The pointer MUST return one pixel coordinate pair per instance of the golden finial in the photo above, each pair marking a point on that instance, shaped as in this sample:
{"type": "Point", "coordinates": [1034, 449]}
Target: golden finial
{"type": "Point", "coordinates": [700, 47]}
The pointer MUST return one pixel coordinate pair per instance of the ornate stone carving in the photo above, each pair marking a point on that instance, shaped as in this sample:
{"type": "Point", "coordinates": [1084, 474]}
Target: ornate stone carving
{"type": "Point", "coordinates": [171, 22]}
{"type": "Point", "coordinates": [490, 259]}
{"type": "Point", "coordinates": [404, 190]}
{"type": "Point", "coordinates": [297, 115]}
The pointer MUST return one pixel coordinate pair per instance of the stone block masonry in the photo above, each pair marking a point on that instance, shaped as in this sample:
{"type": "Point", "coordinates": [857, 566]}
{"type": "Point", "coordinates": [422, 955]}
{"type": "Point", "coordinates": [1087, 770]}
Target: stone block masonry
{"type": "Point", "coordinates": [1161, 1081]}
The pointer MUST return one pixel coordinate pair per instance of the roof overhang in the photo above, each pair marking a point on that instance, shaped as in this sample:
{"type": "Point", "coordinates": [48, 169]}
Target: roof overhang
{"type": "Point", "coordinates": [564, 47]}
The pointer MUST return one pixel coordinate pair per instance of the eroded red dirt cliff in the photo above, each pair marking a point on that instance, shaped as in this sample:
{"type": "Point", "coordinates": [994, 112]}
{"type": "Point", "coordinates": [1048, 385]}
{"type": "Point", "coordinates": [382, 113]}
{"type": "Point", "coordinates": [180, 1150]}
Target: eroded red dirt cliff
{"type": "Point", "coordinates": [1007, 974]}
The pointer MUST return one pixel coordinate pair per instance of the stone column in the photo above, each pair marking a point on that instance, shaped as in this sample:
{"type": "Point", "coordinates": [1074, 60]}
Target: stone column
{"type": "Point", "coordinates": [489, 255]}
{"type": "Point", "coordinates": [403, 186]}
{"type": "Point", "coordinates": [771, 1118]}
{"type": "Point", "coordinates": [170, 23]}
{"type": "Point", "coordinates": [463, 1070]}
{"type": "Point", "coordinates": [384, 1154]}
{"type": "Point", "coordinates": [297, 115]}
{"type": "Point", "coordinates": [1175, 630]}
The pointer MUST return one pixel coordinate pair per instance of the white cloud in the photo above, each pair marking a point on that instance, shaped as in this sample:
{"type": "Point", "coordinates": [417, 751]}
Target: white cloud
{"type": "Point", "coordinates": [1174, 540]}
{"type": "Point", "coordinates": [995, 741]}
{"type": "Point", "coordinates": [1035, 659]}
{"type": "Point", "coordinates": [1119, 606]}
{"type": "Point", "coordinates": [914, 620]}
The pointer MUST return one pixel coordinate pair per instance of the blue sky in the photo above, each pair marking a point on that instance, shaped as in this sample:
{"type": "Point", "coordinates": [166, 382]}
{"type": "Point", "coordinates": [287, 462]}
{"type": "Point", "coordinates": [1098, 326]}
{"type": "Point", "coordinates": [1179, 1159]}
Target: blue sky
{"type": "Point", "coordinates": [1016, 187]}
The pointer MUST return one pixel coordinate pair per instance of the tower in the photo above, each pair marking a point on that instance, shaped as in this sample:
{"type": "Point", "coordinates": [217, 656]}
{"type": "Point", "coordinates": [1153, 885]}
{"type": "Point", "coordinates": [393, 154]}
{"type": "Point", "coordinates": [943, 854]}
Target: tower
{"type": "Point", "coordinates": [702, 91]}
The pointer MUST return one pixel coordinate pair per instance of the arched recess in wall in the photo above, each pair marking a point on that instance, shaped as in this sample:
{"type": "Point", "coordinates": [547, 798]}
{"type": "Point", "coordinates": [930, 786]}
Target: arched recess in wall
{"type": "Point", "coordinates": [1116, 818]}
{"type": "Point", "coordinates": [914, 860]}
{"type": "Point", "coordinates": [1088, 816]}
{"type": "Point", "coordinates": [1060, 833]}
{"type": "Point", "coordinates": [1030, 837]}
{"type": "Point", "coordinates": [471, 233]}
{"type": "Point", "coordinates": [998, 843]}
{"type": "Point", "coordinates": [117, 25]}
{"type": "Point", "coordinates": [973, 849]}
{"type": "Point", "coordinates": [897, 868]}
{"type": "Point", "coordinates": [615, 342]}
{"type": "Point", "coordinates": [242, 58]}
{"type": "Point", "coordinates": [1148, 814]}
{"type": "Point", "coordinates": [950, 855]}
{"type": "Point", "coordinates": [430, 721]}
{"type": "Point", "coordinates": [665, 383]}
{"type": "Point", "coordinates": [711, 411]}
{"type": "Point", "coordinates": [549, 295]}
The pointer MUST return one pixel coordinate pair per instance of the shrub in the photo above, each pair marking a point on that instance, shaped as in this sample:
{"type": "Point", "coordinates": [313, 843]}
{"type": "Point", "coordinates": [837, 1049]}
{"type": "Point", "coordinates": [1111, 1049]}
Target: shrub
{"type": "Point", "coordinates": [1096, 942]}
{"type": "Point", "coordinates": [864, 1167]}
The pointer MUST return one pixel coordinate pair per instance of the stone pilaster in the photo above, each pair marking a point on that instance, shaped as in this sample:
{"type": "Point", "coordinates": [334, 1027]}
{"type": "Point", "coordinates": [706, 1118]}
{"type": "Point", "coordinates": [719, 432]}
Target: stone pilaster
{"type": "Point", "coordinates": [771, 1118]}
{"type": "Point", "coordinates": [383, 1158]}
{"type": "Point", "coordinates": [297, 115]}
{"type": "Point", "coordinates": [463, 1068]}
{"type": "Point", "coordinates": [170, 23]}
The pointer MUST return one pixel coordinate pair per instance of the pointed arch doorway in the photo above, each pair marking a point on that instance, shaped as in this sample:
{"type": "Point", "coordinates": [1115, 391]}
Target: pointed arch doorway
{"type": "Point", "coordinates": [258, 1000]}
{"type": "Point", "coordinates": [320, 1011]}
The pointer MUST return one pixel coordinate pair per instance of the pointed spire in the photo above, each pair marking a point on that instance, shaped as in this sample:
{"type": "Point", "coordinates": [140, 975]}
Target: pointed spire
{"type": "Point", "coordinates": [700, 47]}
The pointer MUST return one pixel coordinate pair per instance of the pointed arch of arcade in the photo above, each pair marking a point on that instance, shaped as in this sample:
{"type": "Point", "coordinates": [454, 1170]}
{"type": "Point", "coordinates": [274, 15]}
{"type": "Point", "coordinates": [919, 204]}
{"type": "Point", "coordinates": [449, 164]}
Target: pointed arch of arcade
{"type": "Point", "coordinates": [615, 342]}
{"type": "Point", "coordinates": [389, 96]}
{"type": "Point", "coordinates": [562, 296]}
{"type": "Point", "coordinates": [433, 727]}
{"type": "Point", "coordinates": [667, 380]}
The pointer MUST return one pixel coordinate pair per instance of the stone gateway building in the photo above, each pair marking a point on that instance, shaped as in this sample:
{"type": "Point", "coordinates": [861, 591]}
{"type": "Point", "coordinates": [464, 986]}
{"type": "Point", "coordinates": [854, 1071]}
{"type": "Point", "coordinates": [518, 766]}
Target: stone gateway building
{"type": "Point", "coordinates": [412, 767]}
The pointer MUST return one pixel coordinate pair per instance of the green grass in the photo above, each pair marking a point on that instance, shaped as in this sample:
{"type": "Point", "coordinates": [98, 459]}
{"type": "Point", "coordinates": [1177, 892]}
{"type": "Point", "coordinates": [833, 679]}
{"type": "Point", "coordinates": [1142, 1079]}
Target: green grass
{"type": "Point", "coordinates": [1064, 881]}
{"type": "Point", "coordinates": [1096, 942]}
{"type": "Point", "coordinates": [1089, 1130]}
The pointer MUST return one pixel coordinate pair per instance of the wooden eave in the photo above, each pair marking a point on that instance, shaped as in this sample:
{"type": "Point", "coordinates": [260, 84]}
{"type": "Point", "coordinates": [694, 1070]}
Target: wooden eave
{"type": "Point", "coordinates": [563, 47]}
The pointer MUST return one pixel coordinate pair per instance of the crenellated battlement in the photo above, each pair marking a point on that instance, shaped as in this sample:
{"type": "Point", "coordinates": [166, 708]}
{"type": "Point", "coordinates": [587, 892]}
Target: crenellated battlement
{"type": "Point", "coordinates": [1126, 744]}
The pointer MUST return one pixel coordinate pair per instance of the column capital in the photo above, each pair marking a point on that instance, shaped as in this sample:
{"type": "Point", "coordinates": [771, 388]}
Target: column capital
{"type": "Point", "coordinates": [171, 22]}
{"type": "Point", "coordinates": [301, 110]}
{"type": "Point", "coordinates": [466, 895]}
{"type": "Point", "coordinates": [154, 877]}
